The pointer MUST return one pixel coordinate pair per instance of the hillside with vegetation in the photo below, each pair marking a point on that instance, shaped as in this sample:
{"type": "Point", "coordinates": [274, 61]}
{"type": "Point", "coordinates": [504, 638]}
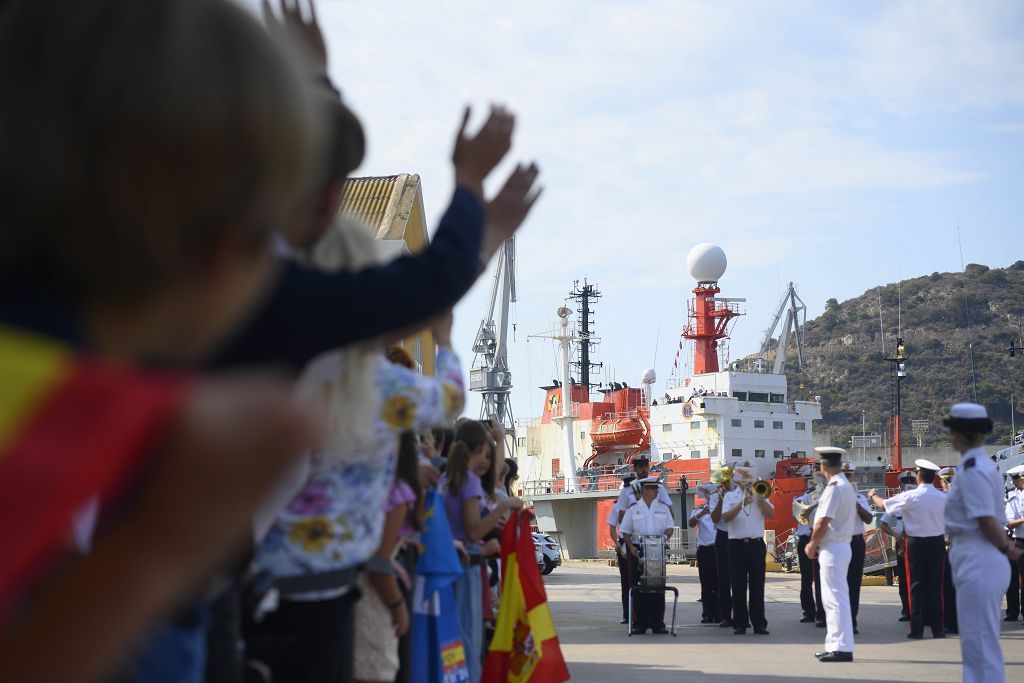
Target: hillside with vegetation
{"type": "Point", "coordinates": [943, 316]}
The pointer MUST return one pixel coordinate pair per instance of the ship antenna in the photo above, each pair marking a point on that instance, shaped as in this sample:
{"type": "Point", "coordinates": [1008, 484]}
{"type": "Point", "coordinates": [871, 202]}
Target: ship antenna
{"type": "Point", "coordinates": [967, 315]}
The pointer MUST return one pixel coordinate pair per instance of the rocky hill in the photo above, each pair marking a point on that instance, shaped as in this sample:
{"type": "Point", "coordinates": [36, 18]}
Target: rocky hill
{"type": "Point", "coordinates": [943, 315]}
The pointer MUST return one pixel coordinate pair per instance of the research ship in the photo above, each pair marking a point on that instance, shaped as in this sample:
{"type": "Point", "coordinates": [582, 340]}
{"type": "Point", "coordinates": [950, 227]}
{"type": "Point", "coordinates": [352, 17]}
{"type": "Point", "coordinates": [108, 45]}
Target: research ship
{"type": "Point", "coordinates": [716, 414]}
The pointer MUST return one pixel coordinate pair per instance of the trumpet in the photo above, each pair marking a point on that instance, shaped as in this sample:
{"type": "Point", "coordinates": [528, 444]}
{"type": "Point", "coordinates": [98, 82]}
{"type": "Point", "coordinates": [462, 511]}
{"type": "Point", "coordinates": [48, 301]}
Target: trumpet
{"type": "Point", "coordinates": [761, 488]}
{"type": "Point", "coordinates": [948, 476]}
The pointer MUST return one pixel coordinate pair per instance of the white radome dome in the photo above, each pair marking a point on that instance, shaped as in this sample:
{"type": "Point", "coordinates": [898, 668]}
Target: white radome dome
{"type": "Point", "coordinates": [649, 376]}
{"type": "Point", "coordinates": [706, 262]}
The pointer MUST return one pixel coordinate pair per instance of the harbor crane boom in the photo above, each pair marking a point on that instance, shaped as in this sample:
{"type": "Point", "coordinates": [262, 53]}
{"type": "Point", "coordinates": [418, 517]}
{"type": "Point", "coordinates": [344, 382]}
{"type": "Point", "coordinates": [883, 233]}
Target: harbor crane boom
{"type": "Point", "coordinates": [490, 375]}
{"type": "Point", "coordinates": [795, 312]}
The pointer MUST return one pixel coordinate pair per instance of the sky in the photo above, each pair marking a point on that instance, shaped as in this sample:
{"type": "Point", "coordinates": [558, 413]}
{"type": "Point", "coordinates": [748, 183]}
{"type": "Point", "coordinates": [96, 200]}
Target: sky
{"type": "Point", "coordinates": [835, 145]}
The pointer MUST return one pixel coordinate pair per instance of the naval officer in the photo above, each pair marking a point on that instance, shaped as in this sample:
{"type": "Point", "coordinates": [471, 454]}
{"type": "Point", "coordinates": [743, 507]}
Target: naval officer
{"type": "Point", "coordinates": [855, 572]}
{"type": "Point", "coordinates": [700, 519]}
{"type": "Point", "coordinates": [830, 544]}
{"type": "Point", "coordinates": [974, 517]}
{"type": "Point", "coordinates": [923, 508]}
{"type": "Point", "coordinates": [646, 517]}
{"type": "Point", "coordinates": [1015, 528]}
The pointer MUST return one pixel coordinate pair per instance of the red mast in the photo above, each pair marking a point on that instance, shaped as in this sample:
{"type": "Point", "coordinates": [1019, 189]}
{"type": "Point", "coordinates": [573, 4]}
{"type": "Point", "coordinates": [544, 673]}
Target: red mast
{"type": "Point", "coordinates": [708, 322]}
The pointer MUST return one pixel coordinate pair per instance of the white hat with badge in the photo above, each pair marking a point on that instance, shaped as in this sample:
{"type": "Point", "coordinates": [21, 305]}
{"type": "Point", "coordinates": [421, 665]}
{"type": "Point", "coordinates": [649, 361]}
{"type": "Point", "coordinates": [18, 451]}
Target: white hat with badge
{"type": "Point", "coordinates": [923, 464]}
{"type": "Point", "coordinates": [1015, 472]}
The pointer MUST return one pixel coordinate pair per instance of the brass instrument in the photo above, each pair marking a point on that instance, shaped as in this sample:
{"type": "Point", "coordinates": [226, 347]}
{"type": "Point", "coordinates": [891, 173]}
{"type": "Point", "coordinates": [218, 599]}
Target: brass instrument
{"type": "Point", "coordinates": [948, 476]}
{"type": "Point", "coordinates": [721, 476]}
{"type": "Point", "coordinates": [802, 512]}
{"type": "Point", "coordinates": [761, 488]}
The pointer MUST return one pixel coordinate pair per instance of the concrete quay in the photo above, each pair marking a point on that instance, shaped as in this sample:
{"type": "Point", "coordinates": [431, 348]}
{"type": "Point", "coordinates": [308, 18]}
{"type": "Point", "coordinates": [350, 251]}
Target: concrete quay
{"type": "Point", "coordinates": [584, 599]}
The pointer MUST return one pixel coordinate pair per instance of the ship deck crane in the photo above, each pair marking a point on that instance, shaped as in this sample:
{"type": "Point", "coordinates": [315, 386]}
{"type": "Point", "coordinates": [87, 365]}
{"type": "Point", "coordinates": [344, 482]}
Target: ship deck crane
{"type": "Point", "coordinates": [795, 312]}
{"type": "Point", "coordinates": [490, 375]}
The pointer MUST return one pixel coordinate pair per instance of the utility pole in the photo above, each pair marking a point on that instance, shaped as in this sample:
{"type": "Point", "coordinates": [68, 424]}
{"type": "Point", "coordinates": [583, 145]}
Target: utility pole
{"type": "Point", "coordinates": [897, 372]}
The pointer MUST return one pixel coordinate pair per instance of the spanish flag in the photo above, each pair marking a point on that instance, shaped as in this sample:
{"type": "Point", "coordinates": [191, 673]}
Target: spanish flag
{"type": "Point", "coordinates": [525, 644]}
{"type": "Point", "coordinates": [71, 428]}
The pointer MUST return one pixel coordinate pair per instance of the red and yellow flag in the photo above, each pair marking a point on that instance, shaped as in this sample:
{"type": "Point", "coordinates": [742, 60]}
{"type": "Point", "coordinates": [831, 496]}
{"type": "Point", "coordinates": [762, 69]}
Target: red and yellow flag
{"type": "Point", "coordinates": [525, 644]}
{"type": "Point", "coordinates": [71, 428]}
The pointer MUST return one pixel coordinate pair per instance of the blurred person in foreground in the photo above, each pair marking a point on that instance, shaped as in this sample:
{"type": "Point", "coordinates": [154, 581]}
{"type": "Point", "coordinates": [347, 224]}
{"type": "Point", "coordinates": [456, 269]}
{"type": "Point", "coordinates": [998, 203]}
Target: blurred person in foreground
{"type": "Point", "coordinates": [140, 187]}
{"type": "Point", "coordinates": [974, 517]}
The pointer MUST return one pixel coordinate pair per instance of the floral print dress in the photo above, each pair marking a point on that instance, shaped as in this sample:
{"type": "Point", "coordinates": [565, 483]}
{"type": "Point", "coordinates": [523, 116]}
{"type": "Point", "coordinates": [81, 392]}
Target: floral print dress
{"type": "Point", "coordinates": [336, 520]}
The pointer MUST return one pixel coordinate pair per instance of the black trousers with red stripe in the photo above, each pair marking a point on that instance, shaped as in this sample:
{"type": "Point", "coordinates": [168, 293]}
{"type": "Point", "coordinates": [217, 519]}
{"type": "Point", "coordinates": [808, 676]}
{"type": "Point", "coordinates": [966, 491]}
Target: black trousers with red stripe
{"type": "Point", "coordinates": [625, 581]}
{"type": "Point", "coordinates": [926, 562]}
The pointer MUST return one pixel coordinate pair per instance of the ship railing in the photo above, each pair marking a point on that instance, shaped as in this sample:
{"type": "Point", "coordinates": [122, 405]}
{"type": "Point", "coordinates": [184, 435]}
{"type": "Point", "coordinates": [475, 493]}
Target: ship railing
{"type": "Point", "coordinates": [601, 483]}
{"type": "Point", "coordinates": [559, 410]}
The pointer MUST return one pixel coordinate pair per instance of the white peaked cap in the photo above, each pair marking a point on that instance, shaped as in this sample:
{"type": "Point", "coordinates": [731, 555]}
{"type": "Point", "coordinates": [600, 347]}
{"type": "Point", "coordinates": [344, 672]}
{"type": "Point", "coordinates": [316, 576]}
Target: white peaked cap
{"type": "Point", "coordinates": [923, 464]}
{"type": "Point", "coordinates": [829, 450]}
{"type": "Point", "coordinates": [968, 411]}
{"type": "Point", "coordinates": [1016, 471]}
{"type": "Point", "coordinates": [647, 481]}
{"type": "Point", "coordinates": [849, 466]}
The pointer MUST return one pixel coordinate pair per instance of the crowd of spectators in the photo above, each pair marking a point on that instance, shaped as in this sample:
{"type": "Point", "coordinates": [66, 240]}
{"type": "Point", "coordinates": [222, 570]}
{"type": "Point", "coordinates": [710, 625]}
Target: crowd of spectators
{"type": "Point", "coordinates": [215, 452]}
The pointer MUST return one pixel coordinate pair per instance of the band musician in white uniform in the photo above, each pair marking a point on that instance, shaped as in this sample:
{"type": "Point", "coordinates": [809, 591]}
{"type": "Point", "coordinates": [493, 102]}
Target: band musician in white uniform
{"type": "Point", "coordinates": [979, 547]}
{"type": "Point", "coordinates": [830, 543]}
{"type": "Point", "coordinates": [700, 521]}
{"type": "Point", "coordinates": [647, 517]}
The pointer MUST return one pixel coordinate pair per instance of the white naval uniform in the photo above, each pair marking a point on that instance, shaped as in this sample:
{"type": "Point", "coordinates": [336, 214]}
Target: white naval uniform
{"type": "Point", "coordinates": [838, 503]}
{"type": "Point", "coordinates": [980, 572]}
{"type": "Point", "coordinates": [1015, 510]}
{"type": "Point", "coordinates": [627, 497]}
{"type": "Point", "coordinates": [641, 520]}
{"type": "Point", "coordinates": [705, 528]}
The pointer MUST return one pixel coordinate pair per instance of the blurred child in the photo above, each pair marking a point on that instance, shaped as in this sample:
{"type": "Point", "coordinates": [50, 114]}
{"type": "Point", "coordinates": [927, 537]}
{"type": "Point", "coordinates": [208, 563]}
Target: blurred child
{"type": "Point", "coordinates": [148, 150]}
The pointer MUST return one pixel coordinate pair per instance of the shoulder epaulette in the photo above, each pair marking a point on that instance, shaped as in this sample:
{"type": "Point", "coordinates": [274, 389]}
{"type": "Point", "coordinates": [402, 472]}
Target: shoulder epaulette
{"type": "Point", "coordinates": [969, 463]}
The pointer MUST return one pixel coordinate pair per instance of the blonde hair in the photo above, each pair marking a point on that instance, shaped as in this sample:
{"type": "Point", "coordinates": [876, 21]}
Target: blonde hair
{"type": "Point", "coordinates": [352, 402]}
{"type": "Point", "coordinates": [138, 136]}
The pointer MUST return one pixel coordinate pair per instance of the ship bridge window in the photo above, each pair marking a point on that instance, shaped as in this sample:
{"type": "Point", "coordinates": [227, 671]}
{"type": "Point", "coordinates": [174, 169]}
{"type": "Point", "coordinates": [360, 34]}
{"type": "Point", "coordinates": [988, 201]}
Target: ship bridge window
{"type": "Point", "coordinates": [712, 424]}
{"type": "Point", "coordinates": [666, 428]}
{"type": "Point", "coordinates": [776, 424]}
{"type": "Point", "coordinates": [758, 454]}
{"type": "Point", "coordinates": [737, 452]}
{"type": "Point", "coordinates": [778, 455]}
{"type": "Point", "coordinates": [799, 454]}
{"type": "Point", "coordinates": [758, 424]}
{"type": "Point", "coordinates": [694, 454]}
{"type": "Point", "coordinates": [695, 424]}
{"type": "Point", "coordinates": [777, 398]}
{"type": "Point", "coordinates": [757, 397]}
{"type": "Point", "coordinates": [801, 426]}
{"type": "Point", "coordinates": [713, 453]}
{"type": "Point", "coordinates": [741, 395]}
{"type": "Point", "coordinates": [736, 422]}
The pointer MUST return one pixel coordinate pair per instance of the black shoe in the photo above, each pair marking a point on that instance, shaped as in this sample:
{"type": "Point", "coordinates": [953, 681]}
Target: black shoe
{"type": "Point", "coordinates": [1010, 619]}
{"type": "Point", "coordinates": [938, 634]}
{"type": "Point", "coordinates": [739, 630]}
{"type": "Point", "coordinates": [761, 631]}
{"type": "Point", "coordinates": [807, 620]}
{"type": "Point", "coordinates": [904, 618]}
{"type": "Point", "coordinates": [836, 657]}
{"type": "Point", "coordinates": [624, 621]}
{"type": "Point", "coordinates": [819, 655]}
{"type": "Point", "coordinates": [820, 624]}
{"type": "Point", "coordinates": [952, 631]}
{"type": "Point", "coordinates": [637, 631]}
{"type": "Point", "coordinates": [659, 631]}
{"type": "Point", "coordinates": [725, 623]}
{"type": "Point", "coordinates": [708, 620]}
{"type": "Point", "coordinates": [915, 636]}
{"type": "Point", "coordinates": [856, 631]}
